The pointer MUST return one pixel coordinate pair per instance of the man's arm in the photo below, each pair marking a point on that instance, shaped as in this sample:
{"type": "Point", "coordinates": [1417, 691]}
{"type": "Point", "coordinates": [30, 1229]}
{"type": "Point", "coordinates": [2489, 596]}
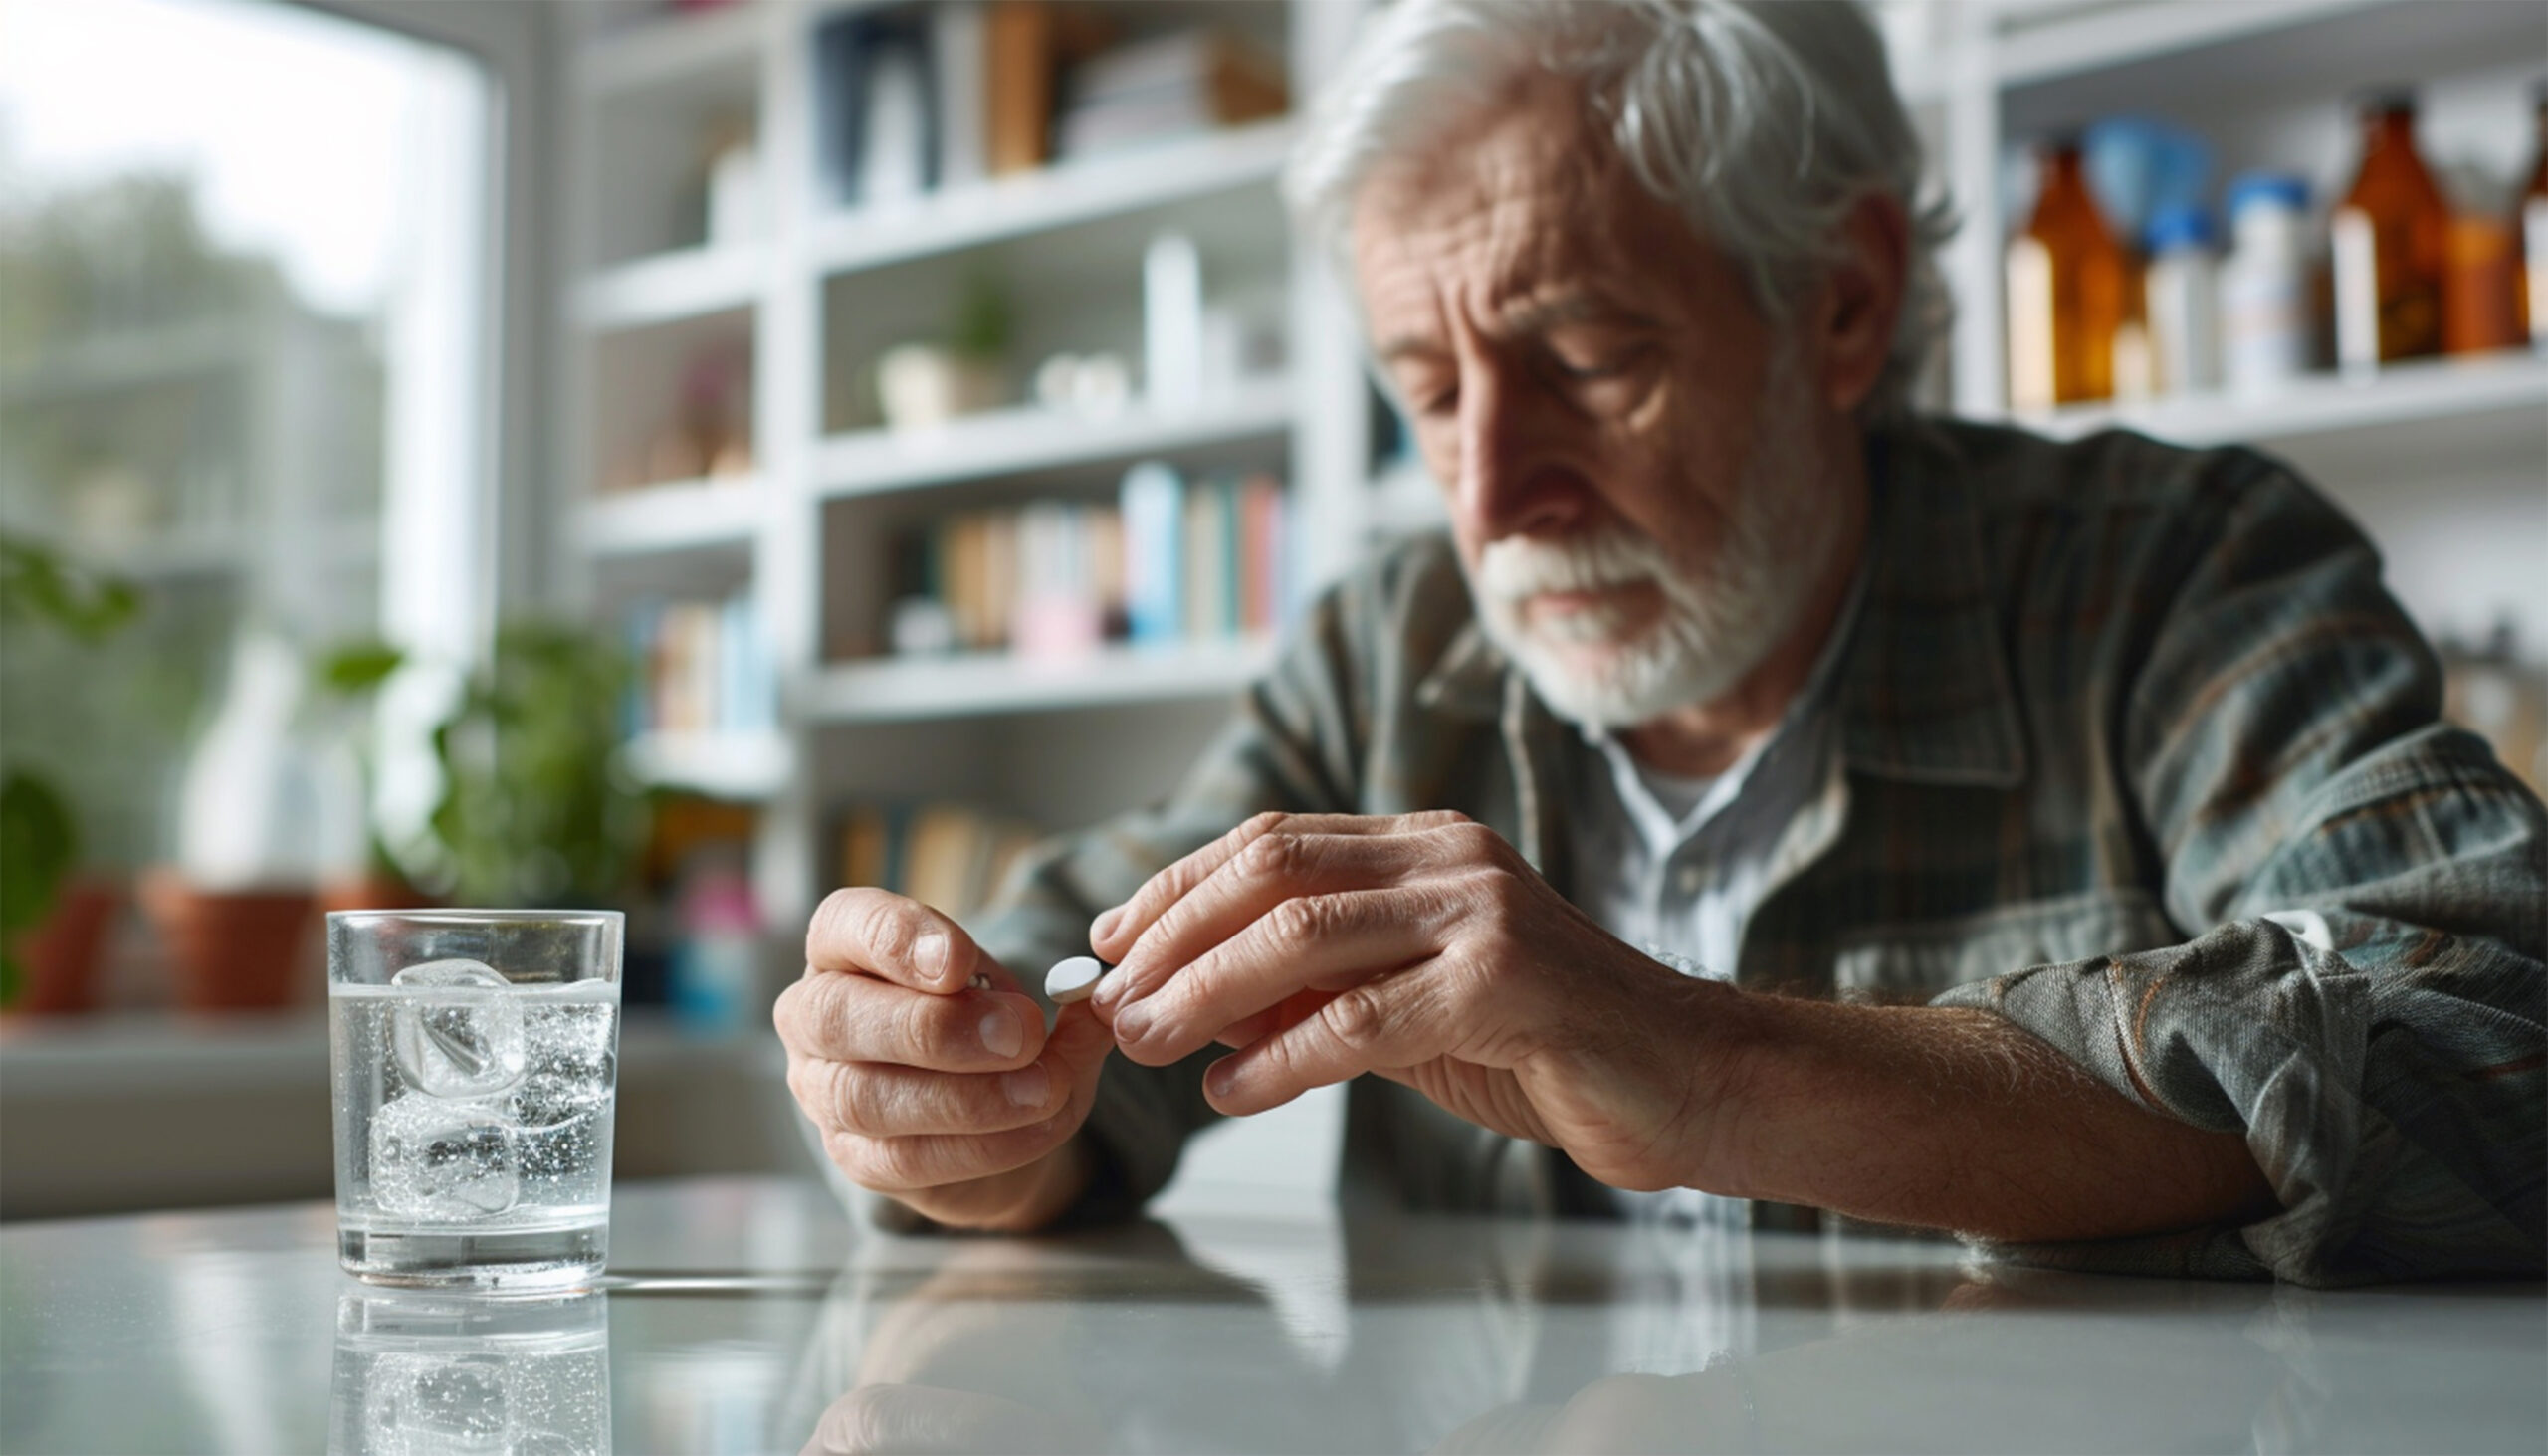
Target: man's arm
{"type": "Point", "coordinates": [1944, 1118]}
{"type": "Point", "coordinates": [2367, 1007]}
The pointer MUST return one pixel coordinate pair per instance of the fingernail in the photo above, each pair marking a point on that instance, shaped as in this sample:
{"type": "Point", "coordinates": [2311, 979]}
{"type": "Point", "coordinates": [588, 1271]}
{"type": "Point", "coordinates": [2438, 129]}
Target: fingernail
{"type": "Point", "coordinates": [1104, 926]}
{"type": "Point", "coordinates": [1027, 1086]}
{"type": "Point", "coordinates": [1132, 1022]}
{"type": "Point", "coordinates": [1109, 988]}
{"type": "Point", "coordinates": [1222, 1078]}
{"type": "Point", "coordinates": [929, 954]}
{"type": "Point", "coordinates": [1001, 1035]}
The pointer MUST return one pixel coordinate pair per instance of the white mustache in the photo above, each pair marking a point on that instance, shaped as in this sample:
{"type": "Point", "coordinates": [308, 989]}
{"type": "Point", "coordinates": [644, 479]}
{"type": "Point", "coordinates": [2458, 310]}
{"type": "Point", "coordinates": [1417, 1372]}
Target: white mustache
{"type": "Point", "coordinates": [1519, 567]}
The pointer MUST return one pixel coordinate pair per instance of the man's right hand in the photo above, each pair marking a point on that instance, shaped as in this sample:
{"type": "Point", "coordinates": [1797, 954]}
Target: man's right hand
{"type": "Point", "coordinates": [950, 1099]}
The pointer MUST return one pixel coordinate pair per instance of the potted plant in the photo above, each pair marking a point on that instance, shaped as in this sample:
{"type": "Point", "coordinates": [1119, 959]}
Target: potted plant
{"type": "Point", "coordinates": [350, 678]}
{"type": "Point", "coordinates": [52, 921]}
{"type": "Point", "coordinates": [922, 385]}
{"type": "Point", "coordinates": [535, 808]}
{"type": "Point", "coordinates": [232, 913]}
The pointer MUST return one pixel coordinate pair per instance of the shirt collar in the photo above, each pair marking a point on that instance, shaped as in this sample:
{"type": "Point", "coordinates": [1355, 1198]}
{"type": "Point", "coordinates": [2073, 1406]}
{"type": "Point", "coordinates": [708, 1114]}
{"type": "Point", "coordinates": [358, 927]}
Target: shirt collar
{"type": "Point", "coordinates": [1921, 682]}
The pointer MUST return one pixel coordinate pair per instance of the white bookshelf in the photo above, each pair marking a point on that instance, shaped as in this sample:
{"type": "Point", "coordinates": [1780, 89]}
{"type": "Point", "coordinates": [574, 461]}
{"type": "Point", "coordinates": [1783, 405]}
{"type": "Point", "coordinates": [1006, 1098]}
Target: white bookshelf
{"type": "Point", "coordinates": [985, 684]}
{"type": "Point", "coordinates": [744, 767]}
{"type": "Point", "coordinates": [1057, 197]}
{"type": "Point", "coordinates": [676, 516]}
{"type": "Point", "coordinates": [671, 50]}
{"type": "Point", "coordinates": [1029, 438]}
{"type": "Point", "coordinates": [670, 287]}
{"type": "Point", "coordinates": [2437, 400]}
{"type": "Point", "coordinates": [1983, 76]}
{"type": "Point", "coordinates": [807, 524]}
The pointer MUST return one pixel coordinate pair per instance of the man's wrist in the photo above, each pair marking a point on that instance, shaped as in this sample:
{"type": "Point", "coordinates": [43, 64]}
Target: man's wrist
{"type": "Point", "coordinates": [1734, 1034]}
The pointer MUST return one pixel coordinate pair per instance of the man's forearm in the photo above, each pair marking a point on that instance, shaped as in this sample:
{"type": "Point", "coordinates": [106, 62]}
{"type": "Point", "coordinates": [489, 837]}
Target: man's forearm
{"type": "Point", "coordinates": [1954, 1118]}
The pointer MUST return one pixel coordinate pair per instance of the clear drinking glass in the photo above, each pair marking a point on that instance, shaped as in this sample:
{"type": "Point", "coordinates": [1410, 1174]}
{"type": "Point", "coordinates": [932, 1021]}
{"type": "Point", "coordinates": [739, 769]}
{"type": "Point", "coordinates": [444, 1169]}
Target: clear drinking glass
{"type": "Point", "coordinates": [442, 1373]}
{"type": "Point", "coordinates": [476, 1054]}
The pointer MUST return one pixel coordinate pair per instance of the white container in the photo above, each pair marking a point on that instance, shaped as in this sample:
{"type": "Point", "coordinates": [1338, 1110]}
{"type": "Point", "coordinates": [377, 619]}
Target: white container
{"type": "Point", "coordinates": [2264, 286]}
{"type": "Point", "coordinates": [2180, 289]}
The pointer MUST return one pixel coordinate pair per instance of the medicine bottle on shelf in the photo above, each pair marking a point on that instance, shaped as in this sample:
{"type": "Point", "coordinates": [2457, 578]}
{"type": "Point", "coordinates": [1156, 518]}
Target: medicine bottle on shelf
{"type": "Point", "coordinates": [2069, 287]}
{"type": "Point", "coordinates": [2530, 231]}
{"type": "Point", "coordinates": [2388, 239]}
{"type": "Point", "coordinates": [2178, 287]}
{"type": "Point", "coordinates": [2265, 284]}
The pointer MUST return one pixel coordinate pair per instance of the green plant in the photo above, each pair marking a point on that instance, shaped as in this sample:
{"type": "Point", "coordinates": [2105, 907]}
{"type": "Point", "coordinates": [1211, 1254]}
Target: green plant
{"type": "Point", "coordinates": [351, 674]}
{"type": "Point", "coordinates": [39, 833]}
{"type": "Point", "coordinates": [534, 808]}
{"type": "Point", "coordinates": [982, 324]}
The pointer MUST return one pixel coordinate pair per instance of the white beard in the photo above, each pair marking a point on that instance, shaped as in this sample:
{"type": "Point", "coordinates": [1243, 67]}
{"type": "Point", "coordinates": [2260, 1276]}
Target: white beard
{"type": "Point", "coordinates": [1720, 618]}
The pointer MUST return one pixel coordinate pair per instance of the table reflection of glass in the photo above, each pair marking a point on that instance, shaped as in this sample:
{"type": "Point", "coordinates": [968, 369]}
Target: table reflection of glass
{"type": "Point", "coordinates": [451, 1373]}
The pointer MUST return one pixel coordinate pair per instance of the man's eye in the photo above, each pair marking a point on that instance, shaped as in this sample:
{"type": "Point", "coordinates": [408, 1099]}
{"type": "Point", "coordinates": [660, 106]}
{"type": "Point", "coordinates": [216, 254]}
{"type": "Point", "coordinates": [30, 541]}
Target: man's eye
{"type": "Point", "coordinates": [1584, 364]}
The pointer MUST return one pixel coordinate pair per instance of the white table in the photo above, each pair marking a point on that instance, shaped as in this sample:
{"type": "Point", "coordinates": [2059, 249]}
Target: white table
{"type": "Point", "coordinates": [746, 1316]}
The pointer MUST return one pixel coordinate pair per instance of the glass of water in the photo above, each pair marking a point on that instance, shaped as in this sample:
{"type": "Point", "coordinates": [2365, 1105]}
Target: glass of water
{"type": "Point", "coordinates": [476, 1052]}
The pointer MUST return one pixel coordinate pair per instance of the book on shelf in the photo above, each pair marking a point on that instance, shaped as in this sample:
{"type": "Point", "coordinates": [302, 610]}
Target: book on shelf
{"type": "Point", "coordinates": [1169, 562]}
{"type": "Point", "coordinates": [877, 116]}
{"type": "Point", "coordinates": [703, 667]}
{"type": "Point", "coordinates": [1167, 87]}
{"type": "Point", "coordinates": [911, 98]}
{"type": "Point", "coordinates": [948, 855]}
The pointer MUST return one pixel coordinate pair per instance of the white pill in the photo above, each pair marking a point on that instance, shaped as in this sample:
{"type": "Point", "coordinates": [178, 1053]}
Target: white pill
{"type": "Point", "coordinates": [1074, 979]}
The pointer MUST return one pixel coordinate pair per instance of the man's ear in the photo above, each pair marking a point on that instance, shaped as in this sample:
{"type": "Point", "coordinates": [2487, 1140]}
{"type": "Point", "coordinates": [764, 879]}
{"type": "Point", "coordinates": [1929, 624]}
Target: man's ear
{"type": "Point", "coordinates": [1860, 298]}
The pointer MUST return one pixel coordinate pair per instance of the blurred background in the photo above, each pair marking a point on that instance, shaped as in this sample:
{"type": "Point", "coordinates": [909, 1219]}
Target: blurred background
{"type": "Point", "coordinates": [686, 457]}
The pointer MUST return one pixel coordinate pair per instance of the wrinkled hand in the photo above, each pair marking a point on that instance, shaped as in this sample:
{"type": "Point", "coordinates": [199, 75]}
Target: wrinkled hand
{"type": "Point", "coordinates": [1423, 948]}
{"type": "Point", "coordinates": [950, 1099]}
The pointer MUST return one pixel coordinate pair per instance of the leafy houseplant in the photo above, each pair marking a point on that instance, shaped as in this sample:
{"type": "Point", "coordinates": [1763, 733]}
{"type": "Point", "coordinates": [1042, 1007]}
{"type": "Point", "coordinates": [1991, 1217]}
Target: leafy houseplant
{"type": "Point", "coordinates": [48, 940]}
{"type": "Point", "coordinates": [534, 808]}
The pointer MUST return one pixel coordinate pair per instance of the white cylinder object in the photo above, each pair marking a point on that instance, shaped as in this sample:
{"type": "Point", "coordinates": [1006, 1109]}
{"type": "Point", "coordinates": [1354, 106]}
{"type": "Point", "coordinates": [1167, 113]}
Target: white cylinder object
{"type": "Point", "coordinates": [2179, 287]}
{"type": "Point", "coordinates": [1172, 320]}
{"type": "Point", "coordinates": [2264, 286]}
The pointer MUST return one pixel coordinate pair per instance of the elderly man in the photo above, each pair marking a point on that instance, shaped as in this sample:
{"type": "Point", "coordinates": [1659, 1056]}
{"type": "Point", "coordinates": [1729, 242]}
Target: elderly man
{"type": "Point", "coordinates": [1763, 793]}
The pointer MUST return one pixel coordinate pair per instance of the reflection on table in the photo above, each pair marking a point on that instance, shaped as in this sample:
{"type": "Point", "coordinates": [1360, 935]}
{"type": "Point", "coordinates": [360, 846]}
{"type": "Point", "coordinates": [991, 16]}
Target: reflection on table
{"type": "Point", "coordinates": [418, 1373]}
{"type": "Point", "coordinates": [749, 1315]}
{"type": "Point", "coordinates": [1480, 1337]}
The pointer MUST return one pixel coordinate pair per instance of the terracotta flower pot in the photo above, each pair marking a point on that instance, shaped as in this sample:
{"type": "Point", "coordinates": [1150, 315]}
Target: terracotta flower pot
{"type": "Point", "coordinates": [61, 955]}
{"type": "Point", "coordinates": [227, 949]}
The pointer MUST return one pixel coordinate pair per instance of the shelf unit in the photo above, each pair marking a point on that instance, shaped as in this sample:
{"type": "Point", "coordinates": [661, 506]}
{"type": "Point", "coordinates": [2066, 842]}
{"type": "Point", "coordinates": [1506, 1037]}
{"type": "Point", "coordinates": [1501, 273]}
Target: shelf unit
{"type": "Point", "coordinates": [995, 682]}
{"type": "Point", "coordinates": [817, 486]}
{"type": "Point", "coordinates": [1982, 77]}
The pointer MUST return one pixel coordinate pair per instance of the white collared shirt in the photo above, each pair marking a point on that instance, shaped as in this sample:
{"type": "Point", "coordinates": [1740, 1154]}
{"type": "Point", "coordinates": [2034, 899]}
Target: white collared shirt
{"type": "Point", "coordinates": [1674, 866]}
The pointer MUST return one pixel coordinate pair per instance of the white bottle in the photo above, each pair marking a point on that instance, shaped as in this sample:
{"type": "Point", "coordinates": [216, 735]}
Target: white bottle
{"type": "Point", "coordinates": [2265, 294]}
{"type": "Point", "coordinates": [2179, 287]}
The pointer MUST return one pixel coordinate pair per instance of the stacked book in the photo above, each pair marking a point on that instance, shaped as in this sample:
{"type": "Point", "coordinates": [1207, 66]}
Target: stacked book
{"type": "Point", "coordinates": [1171, 561]}
{"type": "Point", "coordinates": [911, 99]}
{"type": "Point", "coordinates": [1164, 88]}
{"type": "Point", "coordinates": [944, 855]}
{"type": "Point", "coordinates": [703, 667]}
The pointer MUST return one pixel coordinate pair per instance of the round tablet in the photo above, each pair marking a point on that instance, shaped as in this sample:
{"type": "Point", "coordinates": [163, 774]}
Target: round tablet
{"type": "Point", "coordinates": [1074, 979]}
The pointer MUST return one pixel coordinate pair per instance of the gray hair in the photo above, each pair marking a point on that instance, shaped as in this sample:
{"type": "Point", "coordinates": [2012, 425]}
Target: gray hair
{"type": "Point", "coordinates": [1761, 123]}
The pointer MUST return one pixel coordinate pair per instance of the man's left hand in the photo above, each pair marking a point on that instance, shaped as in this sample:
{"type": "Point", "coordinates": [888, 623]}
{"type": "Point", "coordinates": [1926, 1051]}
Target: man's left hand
{"type": "Point", "coordinates": [1421, 947]}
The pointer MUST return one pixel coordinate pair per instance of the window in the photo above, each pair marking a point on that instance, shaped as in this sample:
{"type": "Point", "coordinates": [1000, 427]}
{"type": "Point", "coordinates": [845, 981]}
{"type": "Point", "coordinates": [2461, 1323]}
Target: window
{"type": "Point", "coordinates": [244, 283]}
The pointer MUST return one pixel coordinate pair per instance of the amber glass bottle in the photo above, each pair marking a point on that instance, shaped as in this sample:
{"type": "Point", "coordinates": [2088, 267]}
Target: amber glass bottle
{"type": "Point", "coordinates": [2069, 287]}
{"type": "Point", "coordinates": [2530, 235]}
{"type": "Point", "coordinates": [2389, 239]}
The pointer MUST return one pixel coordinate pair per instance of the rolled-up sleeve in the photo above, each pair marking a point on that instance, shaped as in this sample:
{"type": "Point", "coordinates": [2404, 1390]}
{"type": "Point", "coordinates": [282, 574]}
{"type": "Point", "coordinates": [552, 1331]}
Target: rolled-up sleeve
{"type": "Point", "coordinates": [2366, 1004]}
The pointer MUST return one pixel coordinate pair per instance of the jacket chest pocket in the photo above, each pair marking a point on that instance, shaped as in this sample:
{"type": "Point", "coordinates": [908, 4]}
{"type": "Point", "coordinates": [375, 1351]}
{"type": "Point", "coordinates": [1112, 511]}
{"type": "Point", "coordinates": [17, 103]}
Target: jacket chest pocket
{"type": "Point", "coordinates": [1915, 960]}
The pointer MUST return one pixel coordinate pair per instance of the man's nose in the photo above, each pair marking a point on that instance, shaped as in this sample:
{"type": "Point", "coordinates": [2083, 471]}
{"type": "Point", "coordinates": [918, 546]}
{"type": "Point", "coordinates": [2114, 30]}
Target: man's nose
{"type": "Point", "coordinates": [1513, 477]}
